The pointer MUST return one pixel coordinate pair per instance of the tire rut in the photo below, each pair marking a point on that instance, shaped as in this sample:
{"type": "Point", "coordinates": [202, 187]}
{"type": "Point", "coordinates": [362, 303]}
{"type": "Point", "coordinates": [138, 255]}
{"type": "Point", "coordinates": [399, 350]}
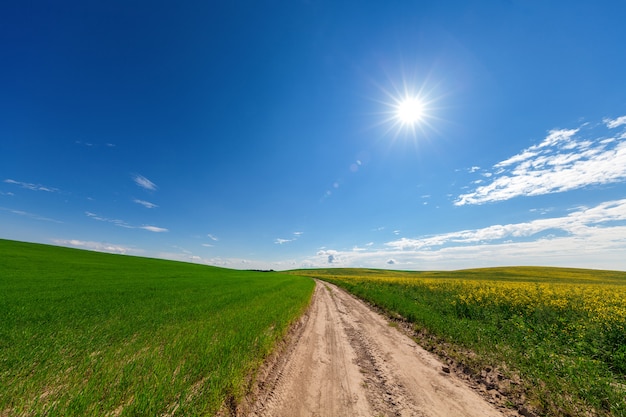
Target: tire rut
{"type": "Point", "coordinates": [387, 397]}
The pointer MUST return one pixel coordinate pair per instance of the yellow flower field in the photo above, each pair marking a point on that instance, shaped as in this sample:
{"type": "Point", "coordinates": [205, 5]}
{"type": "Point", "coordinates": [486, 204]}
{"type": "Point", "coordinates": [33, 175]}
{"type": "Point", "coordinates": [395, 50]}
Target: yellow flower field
{"type": "Point", "coordinates": [563, 331]}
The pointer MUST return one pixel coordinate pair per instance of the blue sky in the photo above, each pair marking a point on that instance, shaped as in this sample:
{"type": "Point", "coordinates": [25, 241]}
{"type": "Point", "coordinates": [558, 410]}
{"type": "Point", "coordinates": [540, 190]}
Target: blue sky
{"type": "Point", "coordinates": [266, 134]}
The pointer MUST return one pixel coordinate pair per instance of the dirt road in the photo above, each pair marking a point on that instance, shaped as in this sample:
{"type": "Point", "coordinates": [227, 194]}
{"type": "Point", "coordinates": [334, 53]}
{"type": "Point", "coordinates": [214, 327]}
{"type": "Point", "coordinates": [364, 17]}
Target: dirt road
{"type": "Point", "coordinates": [345, 360]}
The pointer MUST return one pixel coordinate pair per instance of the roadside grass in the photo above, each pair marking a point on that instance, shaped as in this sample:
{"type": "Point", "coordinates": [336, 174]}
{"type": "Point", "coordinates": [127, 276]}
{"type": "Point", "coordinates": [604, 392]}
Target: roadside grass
{"type": "Point", "coordinates": [556, 336]}
{"type": "Point", "coordinates": [85, 333]}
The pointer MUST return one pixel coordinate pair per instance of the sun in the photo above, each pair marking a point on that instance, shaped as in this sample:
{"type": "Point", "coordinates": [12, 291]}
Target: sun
{"type": "Point", "coordinates": [409, 108]}
{"type": "Point", "coordinates": [410, 111]}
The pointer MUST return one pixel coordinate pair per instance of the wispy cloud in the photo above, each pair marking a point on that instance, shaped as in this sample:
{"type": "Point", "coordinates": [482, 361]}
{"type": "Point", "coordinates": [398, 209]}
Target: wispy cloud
{"type": "Point", "coordinates": [296, 236]}
{"type": "Point", "coordinates": [146, 204]}
{"type": "Point", "coordinates": [96, 246]}
{"type": "Point", "coordinates": [33, 187]}
{"type": "Point", "coordinates": [30, 215]}
{"type": "Point", "coordinates": [94, 145]}
{"type": "Point", "coordinates": [566, 159]}
{"type": "Point", "coordinates": [280, 241]}
{"type": "Point", "coordinates": [117, 222]}
{"type": "Point", "coordinates": [213, 238]}
{"type": "Point", "coordinates": [153, 229]}
{"type": "Point", "coordinates": [233, 263]}
{"type": "Point", "coordinates": [122, 223]}
{"type": "Point", "coordinates": [144, 182]}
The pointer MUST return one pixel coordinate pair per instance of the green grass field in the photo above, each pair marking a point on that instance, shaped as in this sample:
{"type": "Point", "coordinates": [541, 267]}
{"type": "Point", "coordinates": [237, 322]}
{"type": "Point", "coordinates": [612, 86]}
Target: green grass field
{"type": "Point", "coordinates": [556, 335]}
{"type": "Point", "coordinates": [85, 333]}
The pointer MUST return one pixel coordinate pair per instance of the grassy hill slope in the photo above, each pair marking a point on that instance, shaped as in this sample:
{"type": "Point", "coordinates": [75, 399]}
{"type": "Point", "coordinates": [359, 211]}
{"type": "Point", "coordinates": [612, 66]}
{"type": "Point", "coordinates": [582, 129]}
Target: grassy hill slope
{"type": "Point", "coordinates": [86, 333]}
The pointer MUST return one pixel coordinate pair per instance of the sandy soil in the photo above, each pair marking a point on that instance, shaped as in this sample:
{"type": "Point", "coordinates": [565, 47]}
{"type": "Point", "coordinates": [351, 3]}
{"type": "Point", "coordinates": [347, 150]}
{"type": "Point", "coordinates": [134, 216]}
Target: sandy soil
{"type": "Point", "coordinates": [346, 360]}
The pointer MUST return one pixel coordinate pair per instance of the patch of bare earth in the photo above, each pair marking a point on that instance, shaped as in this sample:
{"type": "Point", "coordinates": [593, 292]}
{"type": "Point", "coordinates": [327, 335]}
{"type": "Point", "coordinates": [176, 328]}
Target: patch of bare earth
{"type": "Point", "coordinates": [344, 359]}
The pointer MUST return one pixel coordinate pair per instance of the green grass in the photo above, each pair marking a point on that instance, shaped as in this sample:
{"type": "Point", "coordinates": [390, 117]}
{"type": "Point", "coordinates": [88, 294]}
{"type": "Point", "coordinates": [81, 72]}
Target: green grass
{"type": "Point", "coordinates": [559, 334]}
{"type": "Point", "coordinates": [85, 333]}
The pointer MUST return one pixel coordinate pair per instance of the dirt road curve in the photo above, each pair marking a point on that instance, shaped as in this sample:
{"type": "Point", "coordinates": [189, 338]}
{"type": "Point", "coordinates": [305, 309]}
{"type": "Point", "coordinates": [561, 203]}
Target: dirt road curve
{"type": "Point", "coordinates": [346, 360]}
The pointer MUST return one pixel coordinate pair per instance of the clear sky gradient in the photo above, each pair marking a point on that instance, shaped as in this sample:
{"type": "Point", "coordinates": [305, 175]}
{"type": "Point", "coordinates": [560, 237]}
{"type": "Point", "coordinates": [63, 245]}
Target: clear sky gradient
{"type": "Point", "coordinates": [265, 134]}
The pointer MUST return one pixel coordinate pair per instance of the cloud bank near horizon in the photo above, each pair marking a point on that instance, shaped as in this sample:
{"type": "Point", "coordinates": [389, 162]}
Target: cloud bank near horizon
{"type": "Point", "coordinates": [597, 231]}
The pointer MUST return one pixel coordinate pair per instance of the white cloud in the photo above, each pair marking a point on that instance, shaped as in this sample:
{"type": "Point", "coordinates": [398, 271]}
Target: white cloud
{"type": "Point", "coordinates": [212, 237]}
{"type": "Point", "coordinates": [612, 124]}
{"type": "Point", "coordinates": [515, 159]}
{"type": "Point", "coordinates": [296, 235]}
{"type": "Point", "coordinates": [556, 136]}
{"type": "Point", "coordinates": [96, 246]}
{"type": "Point", "coordinates": [328, 256]}
{"type": "Point", "coordinates": [153, 229]}
{"type": "Point", "coordinates": [576, 223]}
{"type": "Point", "coordinates": [122, 223]}
{"type": "Point", "coordinates": [30, 186]}
{"type": "Point", "coordinates": [280, 241]}
{"type": "Point", "coordinates": [563, 161]}
{"type": "Point", "coordinates": [146, 204]}
{"type": "Point", "coordinates": [588, 237]}
{"type": "Point", "coordinates": [144, 182]}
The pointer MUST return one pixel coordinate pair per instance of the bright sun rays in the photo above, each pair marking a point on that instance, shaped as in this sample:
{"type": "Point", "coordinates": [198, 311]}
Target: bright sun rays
{"type": "Point", "coordinates": [409, 109]}
{"type": "Point", "coordinates": [408, 114]}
